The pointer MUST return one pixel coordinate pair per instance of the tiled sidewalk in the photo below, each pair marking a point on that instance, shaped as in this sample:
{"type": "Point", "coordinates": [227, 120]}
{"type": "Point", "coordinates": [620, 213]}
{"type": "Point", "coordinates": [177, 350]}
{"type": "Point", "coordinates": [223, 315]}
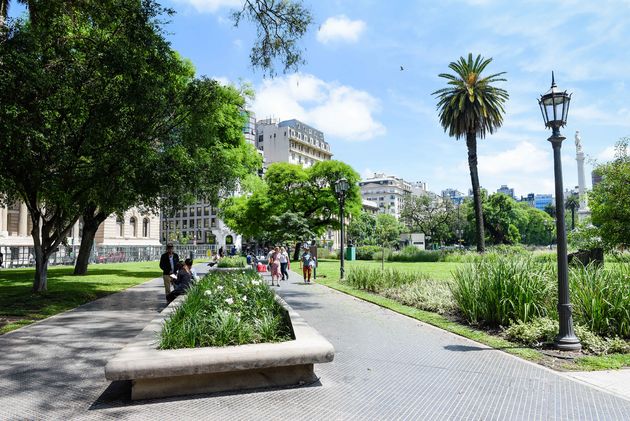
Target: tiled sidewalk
{"type": "Point", "coordinates": [387, 366]}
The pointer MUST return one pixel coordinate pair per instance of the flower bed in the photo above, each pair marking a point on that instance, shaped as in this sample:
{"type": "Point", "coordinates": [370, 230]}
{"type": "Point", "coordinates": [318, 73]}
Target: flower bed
{"type": "Point", "coordinates": [193, 368]}
{"type": "Point", "coordinates": [232, 308]}
{"type": "Point", "coordinates": [232, 262]}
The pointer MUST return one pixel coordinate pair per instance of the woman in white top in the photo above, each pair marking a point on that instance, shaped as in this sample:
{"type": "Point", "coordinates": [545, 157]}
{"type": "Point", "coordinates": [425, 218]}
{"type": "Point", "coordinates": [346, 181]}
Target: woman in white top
{"type": "Point", "coordinates": [284, 263]}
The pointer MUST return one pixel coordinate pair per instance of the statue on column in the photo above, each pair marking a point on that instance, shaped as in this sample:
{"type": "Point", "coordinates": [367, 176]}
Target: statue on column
{"type": "Point", "coordinates": [578, 142]}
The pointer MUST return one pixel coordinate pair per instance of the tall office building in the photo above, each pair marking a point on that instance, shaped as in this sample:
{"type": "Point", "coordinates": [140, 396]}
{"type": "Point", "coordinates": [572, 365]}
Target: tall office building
{"type": "Point", "coordinates": [291, 141]}
{"type": "Point", "coordinates": [506, 190]}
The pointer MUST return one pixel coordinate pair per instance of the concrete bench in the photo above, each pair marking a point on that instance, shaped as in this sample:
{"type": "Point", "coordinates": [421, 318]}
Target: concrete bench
{"type": "Point", "coordinates": [158, 373]}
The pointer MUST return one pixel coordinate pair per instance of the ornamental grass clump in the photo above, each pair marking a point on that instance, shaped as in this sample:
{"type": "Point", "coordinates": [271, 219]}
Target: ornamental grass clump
{"type": "Point", "coordinates": [226, 309]}
{"type": "Point", "coordinates": [376, 280]}
{"type": "Point", "coordinates": [424, 294]}
{"type": "Point", "coordinates": [601, 298]}
{"type": "Point", "coordinates": [504, 289]}
{"type": "Point", "coordinates": [232, 262]}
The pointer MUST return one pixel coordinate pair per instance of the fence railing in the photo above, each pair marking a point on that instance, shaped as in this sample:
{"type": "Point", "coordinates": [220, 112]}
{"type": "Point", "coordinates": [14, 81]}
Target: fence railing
{"type": "Point", "coordinates": [24, 256]}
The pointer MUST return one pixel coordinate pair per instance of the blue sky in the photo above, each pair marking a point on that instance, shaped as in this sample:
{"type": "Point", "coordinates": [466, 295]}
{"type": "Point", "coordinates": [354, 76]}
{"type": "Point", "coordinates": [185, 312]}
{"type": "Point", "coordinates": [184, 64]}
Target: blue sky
{"type": "Point", "coordinates": [378, 118]}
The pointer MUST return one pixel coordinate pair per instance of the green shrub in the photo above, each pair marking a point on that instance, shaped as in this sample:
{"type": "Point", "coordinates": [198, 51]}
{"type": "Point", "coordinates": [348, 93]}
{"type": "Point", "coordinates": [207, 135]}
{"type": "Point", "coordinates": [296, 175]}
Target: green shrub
{"type": "Point", "coordinates": [226, 309]}
{"type": "Point", "coordinates": [414, 254]}
{"type": "Point", "coordinates": [324, 253]}
{"type": "Point", "coordinates": [535, 333]}
{"type": "Point", "coordinates": [232, 262]}
{"type": "Point", "coordinates": [497, 291]}
{"type": "Point", "coordinates": [425, 294]}
{"type": "Point", "coordinates": [376, 280]}
{"type": "Point", "coordinates": [601, 298]}
{"type": "Point", "coordinates": [367, 252]}
{"type": "Point", "coordinates": [543, 331]}
{"type": "Point", "coordinates": [378, 256]}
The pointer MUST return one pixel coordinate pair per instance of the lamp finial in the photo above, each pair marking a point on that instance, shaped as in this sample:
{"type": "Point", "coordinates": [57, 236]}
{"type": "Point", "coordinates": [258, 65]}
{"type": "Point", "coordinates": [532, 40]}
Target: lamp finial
{"type": "Point", "coordinates": [553, 80]}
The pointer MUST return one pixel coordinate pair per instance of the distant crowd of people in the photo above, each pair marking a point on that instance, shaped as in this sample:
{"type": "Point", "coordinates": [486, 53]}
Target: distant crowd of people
{"type": "Point", "coordinates": [179, 275]}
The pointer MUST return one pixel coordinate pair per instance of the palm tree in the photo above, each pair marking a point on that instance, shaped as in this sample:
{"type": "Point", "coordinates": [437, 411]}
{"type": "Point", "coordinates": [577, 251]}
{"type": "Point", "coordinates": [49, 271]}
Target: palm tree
{"type": "Point", "coordinates": [4, 10]}
{"type": "Point", "coordinates": [572, 203]}
{"type": "Point", "coordinates": [470, 106]}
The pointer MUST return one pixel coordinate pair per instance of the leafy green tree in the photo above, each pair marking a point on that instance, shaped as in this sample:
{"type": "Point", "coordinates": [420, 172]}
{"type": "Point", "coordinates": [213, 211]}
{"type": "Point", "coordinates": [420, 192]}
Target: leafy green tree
{"type": "Point", "coordinates": [550, 209]}
{"type": "Point", "coordinates": [610, 199]}
{"type": "Point", "coordinates": [535, 226]}
{"type": "Point", "coordinates": [572, 203]}
{"type": "Point", "coordinates": [387, 232]}
{"type": "Point", "coordinates": [471, 107]}
{"type": "Point", "coordinates": [361, 229]}
{"type": "Point", "coordinates": [307, 195]}
{"type": "Point", "coordinates": [500, 218]}
{"type": "Point", "coordinates": [431, 216]}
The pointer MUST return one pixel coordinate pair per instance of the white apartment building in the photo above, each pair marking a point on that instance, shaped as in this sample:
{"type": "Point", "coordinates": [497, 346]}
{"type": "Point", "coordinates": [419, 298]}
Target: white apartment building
{"type": "Point", "coordinates": [291, 141]}
{"type": "Point", "coordinates": [388, 191]}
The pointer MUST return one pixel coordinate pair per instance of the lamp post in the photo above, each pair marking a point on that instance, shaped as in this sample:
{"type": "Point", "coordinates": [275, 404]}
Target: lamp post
{"type": "Point", "coordinates": [554, 106]}
{"type": "Point", "coordinates": [341, 188]}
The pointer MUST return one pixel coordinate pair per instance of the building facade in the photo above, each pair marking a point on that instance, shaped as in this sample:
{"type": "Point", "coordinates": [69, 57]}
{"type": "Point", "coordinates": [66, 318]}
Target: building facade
{"type": "Point", "coordinates": [387, 191]}
{"type": "Point", "coordinates": [506, 190]}
{"type": "Point", "coordinates": [454, 195]}
{"type": "Point", "coordinates": [134, 228]}
{"type": "Point", "coordinates": [198, 224]}
{"type": "Point", "coordinates": [542, 200]}
{"type": "Point", "coordinates": [291, 141]}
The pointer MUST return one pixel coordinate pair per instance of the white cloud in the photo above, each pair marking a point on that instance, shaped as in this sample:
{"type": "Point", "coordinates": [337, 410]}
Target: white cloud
{"type": "Point", "coordinates": [607, 154]}
{"type": "Point", "coordinates": [526, 167]}
{"type": "Point", "coordinates": [210, 5]}
{"type": "Point", "coordinates": [223, 80]}
{"type": "Point", "coordinates": [340, 28]}
{"type": "Point", "coordinates": [337, 110]}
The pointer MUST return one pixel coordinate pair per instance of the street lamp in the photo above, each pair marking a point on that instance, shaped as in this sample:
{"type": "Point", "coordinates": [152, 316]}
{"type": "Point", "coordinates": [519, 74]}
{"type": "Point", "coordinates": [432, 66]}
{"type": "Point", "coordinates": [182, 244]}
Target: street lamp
{"type": "Point", "coordinates": [341, 189]}
{"type": "Point", "coordinates": [554, 106]}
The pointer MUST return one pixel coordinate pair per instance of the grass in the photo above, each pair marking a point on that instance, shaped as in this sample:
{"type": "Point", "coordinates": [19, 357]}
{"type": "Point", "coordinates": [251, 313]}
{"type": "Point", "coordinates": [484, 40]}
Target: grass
{"type": "Point", "coordinates": [443, 271]}
{"type": "Point", "coordinates": [433, 270]}
{"type": "Point", "coordinates": [19, 306]}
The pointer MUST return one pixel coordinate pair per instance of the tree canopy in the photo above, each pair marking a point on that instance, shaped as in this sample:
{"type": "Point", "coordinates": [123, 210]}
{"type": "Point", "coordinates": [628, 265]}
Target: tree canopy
{"type": "Point", "coordinates": [292, 202]}
{"type": "Point", "coordinates": [610, 199]}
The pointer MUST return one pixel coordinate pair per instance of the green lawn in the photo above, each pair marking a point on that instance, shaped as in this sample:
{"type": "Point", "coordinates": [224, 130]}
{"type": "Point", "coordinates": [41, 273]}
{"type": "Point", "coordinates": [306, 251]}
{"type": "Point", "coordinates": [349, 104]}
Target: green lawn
{"type": "Point", "coordinates": [435, 270]}
{"type": "Point", "coordinates": [19, 306]}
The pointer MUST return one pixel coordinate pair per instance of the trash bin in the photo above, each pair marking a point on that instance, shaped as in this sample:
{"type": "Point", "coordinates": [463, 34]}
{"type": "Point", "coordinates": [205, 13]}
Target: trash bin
{"type": "Point", "coordinates": [351, 253]}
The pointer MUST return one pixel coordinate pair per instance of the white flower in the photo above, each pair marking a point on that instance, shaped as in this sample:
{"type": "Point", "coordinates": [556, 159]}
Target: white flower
{"type": "Point", "coordinates": [220, 288]}
{"type": "Point", "coordinates": [208, 292]}
{"type": "Point", "coordinates": [229, 300]}
{"type": "Point", "coordinates": [244, 297]}
{"type": "Point", "coordinates": [255, 282]}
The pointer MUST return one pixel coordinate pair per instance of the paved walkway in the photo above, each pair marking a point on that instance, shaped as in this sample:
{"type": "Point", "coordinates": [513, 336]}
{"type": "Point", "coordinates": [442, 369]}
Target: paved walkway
{"type": "Point", "coordinates": [387, 366]}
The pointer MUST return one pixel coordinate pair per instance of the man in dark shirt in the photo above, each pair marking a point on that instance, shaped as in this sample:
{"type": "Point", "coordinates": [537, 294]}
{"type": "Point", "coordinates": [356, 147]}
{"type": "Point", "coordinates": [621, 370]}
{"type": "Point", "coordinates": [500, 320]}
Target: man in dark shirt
{"type": "Point", "coordinates": [168, 262]}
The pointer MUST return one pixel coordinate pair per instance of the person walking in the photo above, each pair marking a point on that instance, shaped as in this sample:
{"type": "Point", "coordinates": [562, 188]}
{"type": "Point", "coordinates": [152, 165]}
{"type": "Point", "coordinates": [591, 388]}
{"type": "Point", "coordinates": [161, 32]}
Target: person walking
{"type": "Point", "coordinates": [307, 265]}
{"type": "Point", "coordinates": [275, 266]}
{"type": "Point", "coordinates": [168, 262]}
{"type": "Point", "coordinates": [284, 263]}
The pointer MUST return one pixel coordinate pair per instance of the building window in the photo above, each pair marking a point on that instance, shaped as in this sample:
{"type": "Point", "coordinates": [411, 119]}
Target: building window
{"type": "Point", "coordinates": [145, 227]}
{"type": "Point", "coordinates": [229, 240]}
{"type": "Point", "coordinates": [121, 226]}
{"type": "Point", "coordinates": [132, 225]}
{"type": "Point", "coordinates": [206, 211]}
{"type": "Point", "coordinates": [213, 223]}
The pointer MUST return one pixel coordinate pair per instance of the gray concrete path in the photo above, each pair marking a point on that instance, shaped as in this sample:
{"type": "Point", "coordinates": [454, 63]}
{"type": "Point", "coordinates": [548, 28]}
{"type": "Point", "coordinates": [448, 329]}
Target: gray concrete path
{"type": "Point", "coordinates": [387, 366]}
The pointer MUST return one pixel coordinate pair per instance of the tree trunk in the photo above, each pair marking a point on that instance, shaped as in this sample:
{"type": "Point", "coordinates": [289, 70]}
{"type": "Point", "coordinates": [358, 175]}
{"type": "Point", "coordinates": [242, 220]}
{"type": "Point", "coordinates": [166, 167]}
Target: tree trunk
{"type": "Point", "coordinates": [383, 259]}
{"type": "Point", "coordinates": [40, 283]}
{"type": "Point", "coordinates": [91, 222]}
{"type": "Point", "coordinates": [87, 240]}
{"type": "Point", "coordinates": [296, 253]}
{"type": "Point", "coordinates": [471, 143]}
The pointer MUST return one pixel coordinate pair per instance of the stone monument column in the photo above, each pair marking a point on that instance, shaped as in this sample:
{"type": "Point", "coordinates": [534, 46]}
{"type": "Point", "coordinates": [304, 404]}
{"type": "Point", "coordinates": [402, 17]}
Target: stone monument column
{"type": "Point", "coordinates": [583, 212]}
{"type": "Point", "coordinates": [22, 221]}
